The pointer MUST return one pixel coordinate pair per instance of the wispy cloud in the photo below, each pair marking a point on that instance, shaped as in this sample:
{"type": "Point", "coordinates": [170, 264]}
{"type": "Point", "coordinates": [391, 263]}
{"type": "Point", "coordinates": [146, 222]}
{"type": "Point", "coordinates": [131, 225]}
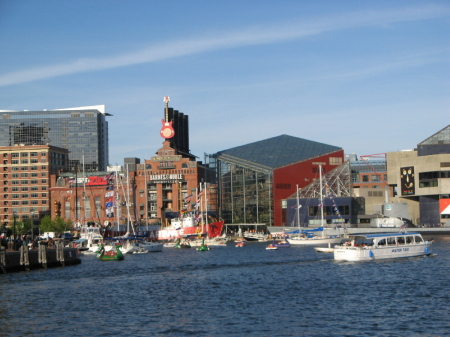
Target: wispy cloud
{"type": "Point", "coordinates": [256, 35]}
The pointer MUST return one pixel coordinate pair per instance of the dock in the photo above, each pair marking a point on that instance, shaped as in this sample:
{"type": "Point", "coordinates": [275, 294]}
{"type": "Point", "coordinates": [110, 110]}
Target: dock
{"type": "Point", "coordinates": [41, 258]}
{"type": "Point", "coordinates": [368, 230]}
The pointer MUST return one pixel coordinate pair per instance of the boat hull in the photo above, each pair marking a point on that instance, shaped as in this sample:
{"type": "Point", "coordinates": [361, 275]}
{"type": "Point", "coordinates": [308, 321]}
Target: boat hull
{"type": "Point", "coordinates": [214, 230]}
{"type": "Point", "coordinates": [152, 246]}
{"type": "Point", "coordinates": [314, 241]}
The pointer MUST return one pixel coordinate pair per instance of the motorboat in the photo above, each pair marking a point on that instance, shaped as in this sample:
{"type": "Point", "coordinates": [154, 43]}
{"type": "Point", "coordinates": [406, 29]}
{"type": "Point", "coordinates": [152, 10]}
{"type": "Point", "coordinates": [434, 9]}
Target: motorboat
{"type": "Point", "coordinates": [254, 236]}
{"type": "Point", "coordinates": [240, 244]}
{"type": "Point", "coordinates": [281, 244]}
{"type": "Point", "coordinates": [271, 247]}
{"type": "Point", "coordinates": [367, 247]}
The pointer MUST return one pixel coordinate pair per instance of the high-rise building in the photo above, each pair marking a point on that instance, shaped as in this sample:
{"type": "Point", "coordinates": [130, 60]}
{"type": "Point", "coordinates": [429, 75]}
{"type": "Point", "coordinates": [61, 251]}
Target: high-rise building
{"type": "Point", "coordinates": [83, 131]}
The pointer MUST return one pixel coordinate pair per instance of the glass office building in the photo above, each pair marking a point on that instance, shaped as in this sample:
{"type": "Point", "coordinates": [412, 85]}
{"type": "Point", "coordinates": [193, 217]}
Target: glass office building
{"type": "Point", "coordinates": [83, 131]}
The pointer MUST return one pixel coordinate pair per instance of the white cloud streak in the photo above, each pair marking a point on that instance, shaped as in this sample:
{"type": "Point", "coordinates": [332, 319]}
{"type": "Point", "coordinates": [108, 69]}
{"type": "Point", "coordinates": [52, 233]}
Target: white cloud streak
{"type": "Point", "coordinates": [246, 37]}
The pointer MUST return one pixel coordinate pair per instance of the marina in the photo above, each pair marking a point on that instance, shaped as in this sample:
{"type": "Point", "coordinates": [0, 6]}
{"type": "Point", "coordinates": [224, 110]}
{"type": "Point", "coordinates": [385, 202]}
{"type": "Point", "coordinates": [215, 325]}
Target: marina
{"type": "Point", "coordinates": [235, 287]}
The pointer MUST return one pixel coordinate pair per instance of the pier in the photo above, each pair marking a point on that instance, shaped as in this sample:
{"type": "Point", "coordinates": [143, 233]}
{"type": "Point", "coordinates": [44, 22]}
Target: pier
{"type": "Point", "coordinates": [41, 258]}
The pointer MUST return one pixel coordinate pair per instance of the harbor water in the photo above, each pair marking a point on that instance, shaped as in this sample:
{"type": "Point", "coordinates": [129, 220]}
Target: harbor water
{"type": "Point", "coordinates": [232, 291]}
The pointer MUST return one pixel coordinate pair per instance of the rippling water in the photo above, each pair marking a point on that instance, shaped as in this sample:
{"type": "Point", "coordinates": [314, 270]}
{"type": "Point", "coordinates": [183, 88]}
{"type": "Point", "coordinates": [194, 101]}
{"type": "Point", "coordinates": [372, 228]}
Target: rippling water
{"type": "Point", "coordinates": [233, 292]}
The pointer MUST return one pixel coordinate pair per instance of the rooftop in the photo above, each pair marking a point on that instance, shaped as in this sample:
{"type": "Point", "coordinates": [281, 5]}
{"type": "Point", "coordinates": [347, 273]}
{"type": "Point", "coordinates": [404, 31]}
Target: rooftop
{"type": "Point", "coordinates": [278, 151]}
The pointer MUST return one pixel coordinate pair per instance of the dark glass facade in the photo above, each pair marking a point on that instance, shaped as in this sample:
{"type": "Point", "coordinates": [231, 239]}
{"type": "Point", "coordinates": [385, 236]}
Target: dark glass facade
{"type": "Point", "coordinates": [83, 131]}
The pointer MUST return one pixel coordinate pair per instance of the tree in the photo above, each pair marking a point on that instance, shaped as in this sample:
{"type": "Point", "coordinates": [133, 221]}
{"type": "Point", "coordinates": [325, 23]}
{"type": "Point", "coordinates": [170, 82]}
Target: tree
{"type": "Point", "coordinates": [24, 227]}
{"type": "Point", "coordinates": [47, 224]}
{"type": "Point", "coordinates": [58, 225]}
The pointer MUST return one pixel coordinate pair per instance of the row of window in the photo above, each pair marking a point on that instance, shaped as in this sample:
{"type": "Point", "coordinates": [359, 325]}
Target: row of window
{"type": "Point", "coordinates": [23, 168]}
{"type": "Point", "coordinates": [25, 188]}
{"type": "Point", "coordinates": [24, 154]}
{"type": "Point", "coordinates": [25, 182]}
{"type": "Point", "coordinates": [25, 175]}
{"type": "Point", "coordinates": [25, 202]}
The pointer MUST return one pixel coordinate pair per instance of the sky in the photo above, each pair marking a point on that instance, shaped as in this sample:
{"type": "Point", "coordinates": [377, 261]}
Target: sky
{"type": "Point", "coordinates": [368, 76]}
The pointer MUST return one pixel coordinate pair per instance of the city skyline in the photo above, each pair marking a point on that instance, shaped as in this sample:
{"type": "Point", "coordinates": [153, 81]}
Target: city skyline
{"type": "Point", "coordinates": [367, 77]}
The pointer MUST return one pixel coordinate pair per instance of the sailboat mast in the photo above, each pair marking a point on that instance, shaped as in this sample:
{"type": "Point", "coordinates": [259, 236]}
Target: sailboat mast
{"type": "Point", "coordinates": [298, 211]}
{"type": "Point", "coordinates": [84, 192]}
{"type": "Point", "coordinates": [146, 194]}
{"type": "Point", "coordinates": [321, 196]}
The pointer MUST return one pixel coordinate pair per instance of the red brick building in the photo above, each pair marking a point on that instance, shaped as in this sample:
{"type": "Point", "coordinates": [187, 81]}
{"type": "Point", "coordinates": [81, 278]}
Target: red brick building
{"type": "Point", "coordinates": [26, 180]}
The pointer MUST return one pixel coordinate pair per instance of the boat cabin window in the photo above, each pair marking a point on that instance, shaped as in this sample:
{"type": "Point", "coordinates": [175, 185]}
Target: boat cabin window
{"type": "Point", "coordinates": [382, 242]}
{"type": "Point", "coordinates": [418, 239]}
{"type": "Point", "coordinates": [361, 241]}
{"type": "Point", "coordinates": [409, 239]}
{"type": "Point", "coordinates": [401, 240]}
{"type": "Point", "coordinates": [391, 241]}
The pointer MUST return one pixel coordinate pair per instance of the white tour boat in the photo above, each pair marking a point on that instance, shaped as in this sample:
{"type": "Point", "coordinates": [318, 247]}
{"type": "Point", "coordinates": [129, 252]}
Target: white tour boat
{"type": "Point", "coordinates": [367, 247]}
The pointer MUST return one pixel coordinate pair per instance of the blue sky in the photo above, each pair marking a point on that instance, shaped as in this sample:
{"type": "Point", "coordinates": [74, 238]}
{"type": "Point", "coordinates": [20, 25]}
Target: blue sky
{"type": "Point", "coordinates": [368, 76]}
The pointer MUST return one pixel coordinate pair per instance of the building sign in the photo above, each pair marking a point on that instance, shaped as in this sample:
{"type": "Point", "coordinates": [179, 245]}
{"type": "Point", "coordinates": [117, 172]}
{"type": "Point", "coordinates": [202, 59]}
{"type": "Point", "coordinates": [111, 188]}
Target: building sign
{"type": "Point", "coordinates": [166, 158]}
{"type": "Point", "coordinates": [166, 178]}
{"type": "Point", "coordinates": [444, 206]}
{"type": "Point", "coordinates": [407, 181]}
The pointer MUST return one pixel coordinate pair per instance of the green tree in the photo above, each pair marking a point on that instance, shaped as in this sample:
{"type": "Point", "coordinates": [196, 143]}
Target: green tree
{"type": "Point", "coordinates": [47, 224]}
{"type": "Point", "coordinates": [24, 227]}
{"type": "Point", "coordinates": [58, 225]}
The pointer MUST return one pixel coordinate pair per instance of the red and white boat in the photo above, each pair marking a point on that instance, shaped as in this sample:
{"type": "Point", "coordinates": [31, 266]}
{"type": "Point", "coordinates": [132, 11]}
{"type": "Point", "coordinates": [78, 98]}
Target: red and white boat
{"type": "Point", "coordinates": [183, 227]}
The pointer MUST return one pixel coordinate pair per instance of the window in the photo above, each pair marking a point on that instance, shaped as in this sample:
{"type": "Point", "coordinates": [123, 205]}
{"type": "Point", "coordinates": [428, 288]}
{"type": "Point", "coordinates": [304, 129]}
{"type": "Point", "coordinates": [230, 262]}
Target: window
{"type": "Point", "coordinates": [365, 178]}
{"type": "Point", "coordinates": [24, 175]}
{"type": "Point", "coordinates": [34, 195]}
{"type": "Point", "coordinates": [34, 181]}
{"type": "Point", "coordinates": [24, 154]}
{"type": "Point", "coordinates": [24, 188]}
{"type": "Point", "coordinates": [24, 202]}
{"type": "Point", "coordinates": [15, 162]}
{"type": "Point", "coordinates": [24, 161]}
{"type": "Point", "coordinates": [15, 155]}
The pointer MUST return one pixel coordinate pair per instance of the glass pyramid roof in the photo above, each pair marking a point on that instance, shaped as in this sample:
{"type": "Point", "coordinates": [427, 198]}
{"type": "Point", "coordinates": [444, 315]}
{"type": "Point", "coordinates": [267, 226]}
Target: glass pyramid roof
{"type": "Point", "coordinates": [278, 151]}
{"type": "Point", "coordinates": [440, 137]}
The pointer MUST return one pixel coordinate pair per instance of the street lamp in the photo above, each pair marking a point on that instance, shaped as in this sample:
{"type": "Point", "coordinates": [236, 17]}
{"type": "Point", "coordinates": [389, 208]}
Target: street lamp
{"type": "Point", "coordinates": [32, 222]}
{"type": "Point", "coordinates": [14, 224]}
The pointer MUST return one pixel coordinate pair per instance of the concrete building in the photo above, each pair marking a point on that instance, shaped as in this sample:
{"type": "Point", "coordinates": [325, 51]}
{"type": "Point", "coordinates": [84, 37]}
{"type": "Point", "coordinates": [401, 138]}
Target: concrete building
{"type": "Point", "coordinates": [26, 180]}
{"type": "Point", "coordinates": [421, 179]}
{"type": "Point", "coordinates": [83, 131]}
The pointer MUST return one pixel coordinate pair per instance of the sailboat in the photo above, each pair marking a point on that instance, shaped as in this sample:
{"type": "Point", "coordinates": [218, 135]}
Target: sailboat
{"type": "Point", "coordinates": [309, 237]}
